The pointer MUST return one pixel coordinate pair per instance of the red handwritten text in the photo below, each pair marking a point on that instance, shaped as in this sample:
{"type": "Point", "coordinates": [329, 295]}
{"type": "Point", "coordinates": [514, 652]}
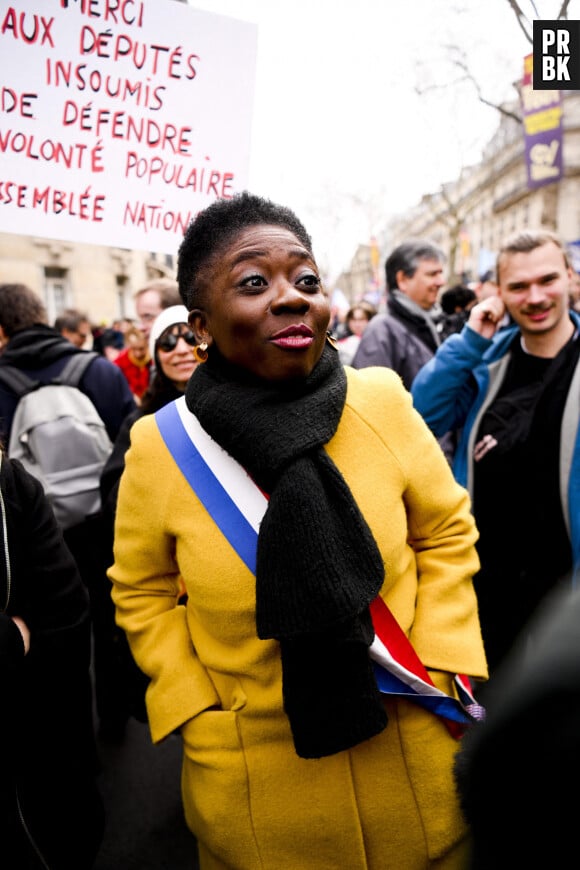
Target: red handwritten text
{"type": "Point", "coordinates": [76, 156]}
{"type": "Point", "coordinates": [148, 216]}
{"type": "Point", "coordinates": [160, 59]}
{"type": "Point", "coordinates": [123, 126]}
{"type": "Point", "coordinates": [80, 77]}
{"type": "Point", "coordinates": [85, 206]}
{"type": "Point", "coordinates": [124, 11]}
{"type": "Point", "coordinates": [10, 101]}
{"type": "Point", "coordinates": [199, 179]}
{"type": "Point", "coordinates": [28, 30]}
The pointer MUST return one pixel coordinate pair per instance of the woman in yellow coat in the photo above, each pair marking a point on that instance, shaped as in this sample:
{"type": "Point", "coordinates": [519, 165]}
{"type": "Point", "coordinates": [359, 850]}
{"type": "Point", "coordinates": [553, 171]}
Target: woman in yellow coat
{"type": "Point", "coordinates": [303, 504]}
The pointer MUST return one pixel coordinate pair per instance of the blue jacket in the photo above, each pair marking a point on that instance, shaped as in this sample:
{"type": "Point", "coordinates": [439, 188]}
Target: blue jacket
{"type": "Point", "coordinates": [453, 390]}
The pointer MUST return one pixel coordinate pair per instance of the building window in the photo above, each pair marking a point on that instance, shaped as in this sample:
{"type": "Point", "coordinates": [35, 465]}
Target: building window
{"type": "Point", "coordinates": [56, 292]}
{"type": "Point", "coordinates": [122, 306]}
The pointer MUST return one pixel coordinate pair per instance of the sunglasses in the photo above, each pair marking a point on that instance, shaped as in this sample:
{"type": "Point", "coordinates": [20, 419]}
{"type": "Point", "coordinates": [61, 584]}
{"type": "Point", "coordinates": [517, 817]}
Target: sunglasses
{"type": "Point", "coordinates": [167, 341]}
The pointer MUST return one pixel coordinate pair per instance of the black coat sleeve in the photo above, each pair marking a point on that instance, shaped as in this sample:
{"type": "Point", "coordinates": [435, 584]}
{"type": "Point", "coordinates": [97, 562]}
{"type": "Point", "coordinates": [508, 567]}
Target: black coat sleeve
{"type": "Point", "coordinates": [46, 726]}
{"type": "Point", "coordinates": [46, 590]}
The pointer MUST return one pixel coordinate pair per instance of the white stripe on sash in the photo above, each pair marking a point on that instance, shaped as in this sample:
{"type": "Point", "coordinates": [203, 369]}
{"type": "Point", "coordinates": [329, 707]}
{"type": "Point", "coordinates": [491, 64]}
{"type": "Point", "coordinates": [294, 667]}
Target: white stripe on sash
{"type": "Point", "coordinates": [249, 499]}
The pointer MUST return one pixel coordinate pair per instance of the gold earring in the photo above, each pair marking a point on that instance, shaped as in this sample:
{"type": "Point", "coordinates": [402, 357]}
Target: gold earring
{"type": "Point", "coordinates": [200, 352]}
{"type": "Point", "coordinates": [332, 340]}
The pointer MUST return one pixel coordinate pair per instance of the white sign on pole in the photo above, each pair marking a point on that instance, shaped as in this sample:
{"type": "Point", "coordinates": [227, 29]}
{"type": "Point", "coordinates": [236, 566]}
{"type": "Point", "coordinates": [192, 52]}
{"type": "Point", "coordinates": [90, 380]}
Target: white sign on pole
{"type": "Point", "coordinates": [120, 119]}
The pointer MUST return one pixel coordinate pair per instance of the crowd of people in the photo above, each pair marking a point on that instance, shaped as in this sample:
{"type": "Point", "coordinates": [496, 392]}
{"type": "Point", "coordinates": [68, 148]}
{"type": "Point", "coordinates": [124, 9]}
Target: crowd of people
{"type": "Point", "coordinates": [339, 564]}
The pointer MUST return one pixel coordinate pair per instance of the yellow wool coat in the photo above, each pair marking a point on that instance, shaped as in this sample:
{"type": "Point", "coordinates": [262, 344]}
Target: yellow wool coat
{"type": "Point", "coordinates": [252, 803]}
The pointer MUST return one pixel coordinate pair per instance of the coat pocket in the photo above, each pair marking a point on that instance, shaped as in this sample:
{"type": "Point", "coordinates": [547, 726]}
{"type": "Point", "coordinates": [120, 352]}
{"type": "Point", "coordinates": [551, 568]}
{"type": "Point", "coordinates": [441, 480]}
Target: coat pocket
{"type": "Point", "coordinates": [215, 788]}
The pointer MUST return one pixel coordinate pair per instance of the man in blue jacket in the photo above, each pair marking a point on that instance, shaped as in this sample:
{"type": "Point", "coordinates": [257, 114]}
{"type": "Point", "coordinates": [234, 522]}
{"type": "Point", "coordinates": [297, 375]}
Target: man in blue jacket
{"type": "Point", "coordinates": [515, 395]}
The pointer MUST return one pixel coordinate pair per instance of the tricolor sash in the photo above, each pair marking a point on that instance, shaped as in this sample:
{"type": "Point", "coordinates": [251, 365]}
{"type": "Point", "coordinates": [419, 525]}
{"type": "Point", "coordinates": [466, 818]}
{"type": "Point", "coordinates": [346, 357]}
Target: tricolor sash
{"type": "Point", "coordinates": [237, 505]}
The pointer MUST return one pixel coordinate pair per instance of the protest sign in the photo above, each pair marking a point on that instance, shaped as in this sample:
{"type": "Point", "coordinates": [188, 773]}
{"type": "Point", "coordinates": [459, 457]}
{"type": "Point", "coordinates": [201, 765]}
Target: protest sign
{"type": "Point", "coordinates": [120, 119]}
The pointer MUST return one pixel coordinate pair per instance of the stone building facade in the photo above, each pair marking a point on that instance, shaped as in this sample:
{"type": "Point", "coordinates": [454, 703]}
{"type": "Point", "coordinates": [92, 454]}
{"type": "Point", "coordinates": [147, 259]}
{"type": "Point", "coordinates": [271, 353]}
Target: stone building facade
{"type": "Point", "coordinates": [95, 279]}
{"type": "Point", "coordinates": [469, 216]}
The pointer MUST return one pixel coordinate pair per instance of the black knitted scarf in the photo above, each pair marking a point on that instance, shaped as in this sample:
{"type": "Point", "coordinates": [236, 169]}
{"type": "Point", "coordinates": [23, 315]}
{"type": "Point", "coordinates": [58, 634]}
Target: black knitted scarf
{"type": "Point", "coordinates": [318, 565]}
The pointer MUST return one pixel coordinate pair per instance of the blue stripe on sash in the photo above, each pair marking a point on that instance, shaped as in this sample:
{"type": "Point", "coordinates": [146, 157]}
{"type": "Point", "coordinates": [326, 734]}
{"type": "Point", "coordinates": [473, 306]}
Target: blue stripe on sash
{"type": "Point", "coordinates": [231, 522]}
{"type": "Point", "coordinates": [441, 705]}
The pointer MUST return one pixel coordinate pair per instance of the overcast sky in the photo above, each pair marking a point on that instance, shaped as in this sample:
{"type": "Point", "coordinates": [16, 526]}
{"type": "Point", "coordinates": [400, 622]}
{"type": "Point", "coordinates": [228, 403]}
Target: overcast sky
{"type": "Point", "coordinates": [339, 131]}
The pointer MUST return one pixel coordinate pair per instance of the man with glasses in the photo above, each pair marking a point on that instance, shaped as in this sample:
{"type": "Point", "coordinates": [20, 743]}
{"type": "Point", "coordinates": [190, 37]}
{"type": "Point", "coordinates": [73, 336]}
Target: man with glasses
{"type": "Point", "coordinates": [152, 299]}
{"type": "Point", "coordinates": [75, 326]}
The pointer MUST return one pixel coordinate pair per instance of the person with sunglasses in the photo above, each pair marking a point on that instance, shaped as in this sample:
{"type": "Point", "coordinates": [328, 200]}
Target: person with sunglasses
{"type": "Point", "coordinates": [171, 346]}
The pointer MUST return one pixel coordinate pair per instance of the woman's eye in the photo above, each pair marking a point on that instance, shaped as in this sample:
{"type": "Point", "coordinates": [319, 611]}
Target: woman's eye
{"type": "Point", "coordinates": [310, 280]}
{"type": "Point", "coordinates": [253, 281]}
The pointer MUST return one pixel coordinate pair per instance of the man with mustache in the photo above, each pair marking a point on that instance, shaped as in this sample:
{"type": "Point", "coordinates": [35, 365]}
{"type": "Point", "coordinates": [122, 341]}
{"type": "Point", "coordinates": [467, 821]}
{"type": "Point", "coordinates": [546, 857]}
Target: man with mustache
{"type": "Point", "coordinates": [515, 394]}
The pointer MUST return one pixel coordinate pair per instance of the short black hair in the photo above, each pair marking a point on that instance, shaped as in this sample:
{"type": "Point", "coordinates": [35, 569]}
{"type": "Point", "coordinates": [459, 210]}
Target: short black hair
{"type": "Point", "coordinates": [458, 296]}
{"type": "Point", "coordinates": [407, 256]}
{"type": "Point", "coordinates": [20, 308]}
{"type": "Point", "coordinates": [214, 227]}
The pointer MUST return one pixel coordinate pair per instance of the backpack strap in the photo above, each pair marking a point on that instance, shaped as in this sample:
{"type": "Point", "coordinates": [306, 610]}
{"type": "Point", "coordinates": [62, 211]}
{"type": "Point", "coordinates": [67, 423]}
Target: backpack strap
{"type": "Point", "coordinates": [71, 374]}
{"type": "Point", "coordinates": [17, 381]}
{"type": "Point", "coordinates": [74, 368]}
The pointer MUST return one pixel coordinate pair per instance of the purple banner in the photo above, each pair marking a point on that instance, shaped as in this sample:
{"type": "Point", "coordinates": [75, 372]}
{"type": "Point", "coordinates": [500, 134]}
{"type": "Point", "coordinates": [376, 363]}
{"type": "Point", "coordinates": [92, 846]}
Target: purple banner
{"type": "Point", "coordinates": [542, 114]}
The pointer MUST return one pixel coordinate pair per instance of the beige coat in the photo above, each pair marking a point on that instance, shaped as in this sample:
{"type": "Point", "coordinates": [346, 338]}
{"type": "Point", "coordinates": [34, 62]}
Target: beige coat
{"type": "Point", "coordinates": [250, 800]}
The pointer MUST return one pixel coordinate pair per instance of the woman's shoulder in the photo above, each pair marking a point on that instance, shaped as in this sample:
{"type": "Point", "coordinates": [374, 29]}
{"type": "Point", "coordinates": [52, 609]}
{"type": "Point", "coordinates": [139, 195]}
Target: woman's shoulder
{"type": "Point", "coordinates": [377, 393]}
{"type": "Point", "coordinates": [145, 437]}
{"type": "Point", "coordinates": [142, 423]}
{"type": "Point", "coordinates": [368, 382]}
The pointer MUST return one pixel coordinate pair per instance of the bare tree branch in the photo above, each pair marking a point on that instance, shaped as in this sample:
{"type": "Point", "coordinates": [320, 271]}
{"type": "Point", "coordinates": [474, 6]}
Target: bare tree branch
{"type": "Point", "coordinates": [523, 21]}
{"type": "Point", "coordinates": [461, 62]}
{"type": "Point", "coordinates": [421, 90]}
{"type": "Point", "coordinates": [563, 13]}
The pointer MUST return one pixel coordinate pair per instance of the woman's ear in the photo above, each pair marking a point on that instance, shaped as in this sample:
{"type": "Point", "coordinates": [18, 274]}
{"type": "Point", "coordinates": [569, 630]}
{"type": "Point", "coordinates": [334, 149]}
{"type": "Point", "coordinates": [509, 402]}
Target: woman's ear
{"type": "Point", "coordinates": [197, 321]}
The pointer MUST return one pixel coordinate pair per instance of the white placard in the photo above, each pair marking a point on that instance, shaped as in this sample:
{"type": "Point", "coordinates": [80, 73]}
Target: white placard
{"type": "Point", "coordinates": [120, 119]}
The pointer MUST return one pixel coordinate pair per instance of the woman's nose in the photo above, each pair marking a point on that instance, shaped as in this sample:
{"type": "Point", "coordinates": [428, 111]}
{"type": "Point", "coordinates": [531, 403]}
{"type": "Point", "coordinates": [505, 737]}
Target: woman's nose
{"type": "Point", "coordinates": [288, 295]}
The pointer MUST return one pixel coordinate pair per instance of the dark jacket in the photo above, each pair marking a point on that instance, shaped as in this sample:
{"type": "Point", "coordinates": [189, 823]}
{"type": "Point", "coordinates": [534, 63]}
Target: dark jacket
{"type": "Point", "coordinates": [51, 811]}
{"type": "Point", "coordinates": [400, 340]}
{"type": "Point", "coordinates": [133, 680]}
{"type": "Point", "coordinates": [517, 770]}
{"type": "Point", "coordinates": [161, 391]}
{"type": "Point", "coordinates": [41, 353]}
